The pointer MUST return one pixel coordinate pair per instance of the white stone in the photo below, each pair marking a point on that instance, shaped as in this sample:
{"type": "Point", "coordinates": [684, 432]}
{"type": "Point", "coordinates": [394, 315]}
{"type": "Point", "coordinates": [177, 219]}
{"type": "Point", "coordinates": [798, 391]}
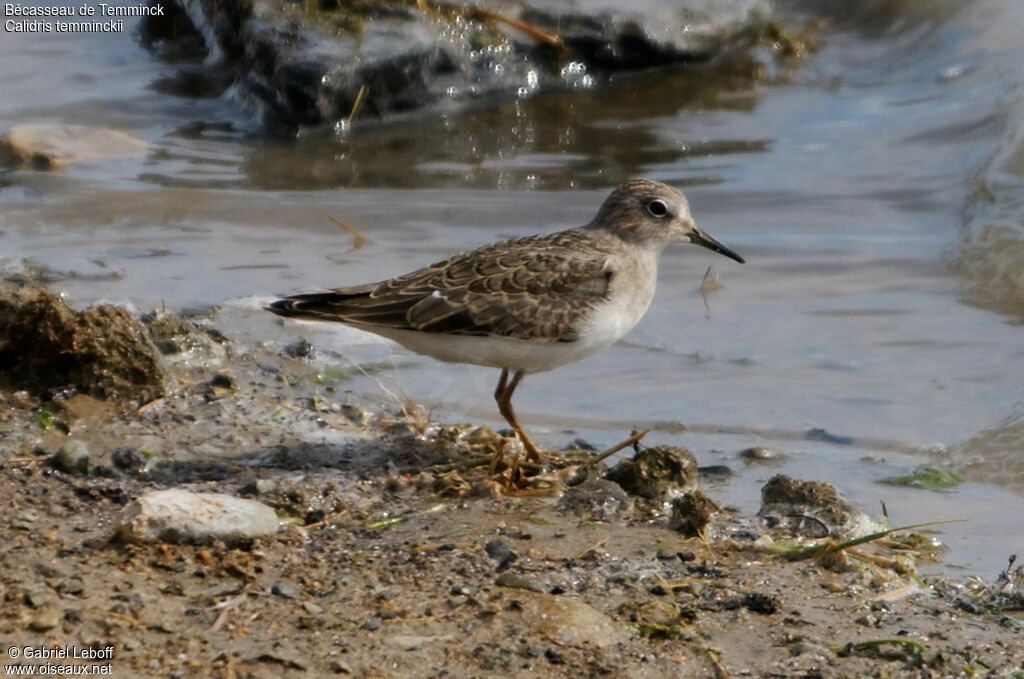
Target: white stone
{"type": "Point", "coordinates": [177, 515]}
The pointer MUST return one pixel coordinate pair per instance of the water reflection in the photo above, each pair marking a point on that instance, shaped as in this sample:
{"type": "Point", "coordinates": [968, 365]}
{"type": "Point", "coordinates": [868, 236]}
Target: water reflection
{"type": "Point", "coordinates": [555, 140]}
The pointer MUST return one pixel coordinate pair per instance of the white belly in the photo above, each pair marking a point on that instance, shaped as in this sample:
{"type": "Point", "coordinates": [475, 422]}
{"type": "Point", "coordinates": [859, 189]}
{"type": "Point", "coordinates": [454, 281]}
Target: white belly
{"type": "Point", "coordinates": [491, 351]}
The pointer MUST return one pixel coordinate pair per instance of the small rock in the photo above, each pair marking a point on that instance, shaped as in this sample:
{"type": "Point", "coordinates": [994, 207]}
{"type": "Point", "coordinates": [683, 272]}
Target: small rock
{"type": "Point", "coordinates": [371, 625]}
{"type": "Point", "coordinates": [50, 146]}
{"type": "Point", "coordinates": [534, 650]}
{"type": "Point", "coordinates": [691, 513]}
{"type": "Point", "coordinates": [553, 656]}
{"type": "Point", "coordinates": [300, 348]}
{"type": "Point", "coordinates": [515, 581]}
{"type": "Point", "coordinates": [715, 472]}
{"type": "Point", "coordinates": [760, 454]}
{"type": "Point", "coordinates": [177, 515]}
{"type": "Point", "coordinates": [756, 602]}
{"type": "Point", "coordinates": [657, 612]}
{"type": "Point", "coordinates": [49, 570]}
{"type": "Point", "coordinates": [500, 552]}
{"type": "Point", "coordinates": [23, 518]}
{"type": "Point", "coordinates": [128, 459]}
{"type": "Point", "coordinates": [284, 591]}
{"type": "Point", "coordinates": [72, 458]}
{"type": "Point", "coordinates": [36, 598]}
{"type": "Point", "coordinates": [311, 608]}
{"type": "Point", "coordinates": [597, 499]}
{"type": "Point", "coordinates": [657, 473]}
{"type": "Point", "coordinates": [566, 621]}
{"type": "Point", "coordinates": [44, 619]}
{"type": "Point", "coordinates": [70, 587]}
{"type": "Point", "coordinates": [259, 487]}
{"type": "Point", "coordinates": [811, 509]}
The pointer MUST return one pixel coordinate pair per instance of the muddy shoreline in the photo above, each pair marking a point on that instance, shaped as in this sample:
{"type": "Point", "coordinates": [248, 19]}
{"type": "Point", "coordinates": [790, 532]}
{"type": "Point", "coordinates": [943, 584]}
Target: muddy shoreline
{"type": "Point", "coordinates": [382, 569]}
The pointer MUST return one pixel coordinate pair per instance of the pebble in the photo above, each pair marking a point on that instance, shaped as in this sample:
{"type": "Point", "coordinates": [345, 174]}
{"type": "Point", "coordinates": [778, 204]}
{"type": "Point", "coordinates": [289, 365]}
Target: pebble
{"type": "Point", "coordinates": [128, 459]}
{"type": "Point", "coordinates": [36, 598]}
{"type": "Point", "coordinates": [657, 473]}
{"type": "Point", "coordinates": [72, 458]}
{"type": "Point", "coordinates": [44, 619]}
{"type": "Point", "coordinates": [299, 349]}
{"type": "Point", "coordinates": [762, 454]}
{"type": "Point", "coordinates": [691, 513]}
{"type": "Point", "coordinates": [597, 499]}
{"type": "Point", "coordinates": [222, 381]}
{"type": "Point", "coordinates": [49, 146]}
{"type": "Point", "coordinates": [23, 518]}
{"type": "Point", "coordinates": [177, 515]}
{"type": "Point", "coordinates": [811, 509]}
{"type": "Point", "coordinates": [518, 582]}
{"type": "Point", "coordinates": [260, 487]}
{"type": "Point", "coordinates": [284, 591]}
{"type": "Point", "coordinates": [567, 621]}
{"type": "Point", "coordinates": [500, 552]}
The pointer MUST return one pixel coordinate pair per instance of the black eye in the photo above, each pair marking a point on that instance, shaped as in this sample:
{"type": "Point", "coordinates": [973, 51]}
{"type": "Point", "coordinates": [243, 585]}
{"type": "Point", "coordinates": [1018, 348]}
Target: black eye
{"type": "Point", "coordinates": [657, 208]}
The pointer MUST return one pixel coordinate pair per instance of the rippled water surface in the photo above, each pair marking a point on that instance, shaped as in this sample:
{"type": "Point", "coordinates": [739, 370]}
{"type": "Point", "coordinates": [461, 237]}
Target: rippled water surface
{"type": "Point", "coordinates": [876, 188]}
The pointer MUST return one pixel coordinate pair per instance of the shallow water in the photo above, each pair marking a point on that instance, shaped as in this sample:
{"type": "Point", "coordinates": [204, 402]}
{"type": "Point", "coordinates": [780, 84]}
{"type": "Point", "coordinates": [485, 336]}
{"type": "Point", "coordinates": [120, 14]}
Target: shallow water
{"type": "Point", "coordinates": [876, 189]}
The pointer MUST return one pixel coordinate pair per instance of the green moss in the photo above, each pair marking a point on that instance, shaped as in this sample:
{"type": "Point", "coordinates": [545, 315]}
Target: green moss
{"type": "Point", "coordinates": [788, 44]}
{"type": "Point", "coordinates": [46, 418]}
{"type": "Point", "coordinates": [928, 477]}
{"type": "Point", "coordinates": [647, 630]}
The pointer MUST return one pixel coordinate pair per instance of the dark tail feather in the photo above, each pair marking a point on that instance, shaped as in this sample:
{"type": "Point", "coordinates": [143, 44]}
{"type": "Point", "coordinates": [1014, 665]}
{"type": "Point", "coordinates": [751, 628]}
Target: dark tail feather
{"type": "Point", "coordinates": [344, 305]}
{"type": "Point", "coordinates": [288, 307]}
{"type": "Point", "coordinates": [312, 305]}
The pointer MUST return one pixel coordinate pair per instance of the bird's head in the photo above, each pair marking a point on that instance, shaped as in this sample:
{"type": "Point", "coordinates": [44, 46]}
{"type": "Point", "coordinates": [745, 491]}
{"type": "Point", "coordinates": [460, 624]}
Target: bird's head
{"type": "Point", "coordinates": [646, 211]}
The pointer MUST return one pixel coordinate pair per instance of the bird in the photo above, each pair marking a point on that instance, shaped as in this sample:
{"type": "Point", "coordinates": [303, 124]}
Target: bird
{"type": "Point", "coordinates": [529, 304]}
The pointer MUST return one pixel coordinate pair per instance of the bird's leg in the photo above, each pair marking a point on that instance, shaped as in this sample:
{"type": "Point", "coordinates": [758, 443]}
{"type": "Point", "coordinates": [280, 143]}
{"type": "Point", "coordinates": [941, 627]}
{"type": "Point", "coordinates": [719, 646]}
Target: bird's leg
{"type": "Point", "coordinates": [503, 396]}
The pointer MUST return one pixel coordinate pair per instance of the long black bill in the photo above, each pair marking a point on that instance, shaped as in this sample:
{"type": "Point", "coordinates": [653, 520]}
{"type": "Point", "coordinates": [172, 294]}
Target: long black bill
{"type": "Point", "coordinates": [698, 237]}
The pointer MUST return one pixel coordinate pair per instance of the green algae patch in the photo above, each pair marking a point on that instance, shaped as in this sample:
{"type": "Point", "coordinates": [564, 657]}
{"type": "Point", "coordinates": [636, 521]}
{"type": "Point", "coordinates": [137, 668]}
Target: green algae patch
{"type": "Point", "coordinates": [928, 477]}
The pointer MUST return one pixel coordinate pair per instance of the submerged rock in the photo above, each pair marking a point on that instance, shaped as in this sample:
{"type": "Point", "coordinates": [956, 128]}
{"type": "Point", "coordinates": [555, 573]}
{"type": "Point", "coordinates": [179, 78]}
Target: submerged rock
{"type": "Point", "coordinates": [315, 63]}
{"type": "Point", "coordinates": [102, 351]}
{"type": "Point", "coordinates": [52, 147]}
{"type": "Point", "coordinates": [177, 515]}
{"type": "Point", "coordinates": [763, 455]}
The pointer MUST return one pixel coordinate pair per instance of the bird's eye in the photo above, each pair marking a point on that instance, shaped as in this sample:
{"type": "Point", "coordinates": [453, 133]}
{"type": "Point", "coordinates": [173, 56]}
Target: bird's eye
{"type": "Point", "coordinates": [657, 208]}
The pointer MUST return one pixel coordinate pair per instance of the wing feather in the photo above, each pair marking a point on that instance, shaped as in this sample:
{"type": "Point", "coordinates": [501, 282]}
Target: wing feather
{"type": "Point", "coordinates": [531, 288]}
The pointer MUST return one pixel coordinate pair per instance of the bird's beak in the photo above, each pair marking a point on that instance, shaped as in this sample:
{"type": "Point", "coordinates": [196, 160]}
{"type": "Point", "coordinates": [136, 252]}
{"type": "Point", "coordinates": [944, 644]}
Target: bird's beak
{"type": "Point", "coordinates": [698, 237]}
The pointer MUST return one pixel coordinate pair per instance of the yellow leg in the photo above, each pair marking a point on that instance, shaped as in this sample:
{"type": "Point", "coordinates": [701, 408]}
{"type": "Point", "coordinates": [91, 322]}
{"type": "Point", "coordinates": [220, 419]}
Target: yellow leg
{"type": "Point", "coordinates": [503, 396]}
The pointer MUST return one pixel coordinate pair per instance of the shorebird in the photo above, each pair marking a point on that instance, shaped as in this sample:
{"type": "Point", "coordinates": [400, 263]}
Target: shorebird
{"type": "Point", "coordinates": [530, 304]}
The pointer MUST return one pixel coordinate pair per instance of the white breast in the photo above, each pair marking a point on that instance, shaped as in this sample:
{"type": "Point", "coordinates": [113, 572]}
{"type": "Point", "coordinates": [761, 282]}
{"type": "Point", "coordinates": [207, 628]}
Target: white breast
{"type": "Point", "coordinates": [632, 289]}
